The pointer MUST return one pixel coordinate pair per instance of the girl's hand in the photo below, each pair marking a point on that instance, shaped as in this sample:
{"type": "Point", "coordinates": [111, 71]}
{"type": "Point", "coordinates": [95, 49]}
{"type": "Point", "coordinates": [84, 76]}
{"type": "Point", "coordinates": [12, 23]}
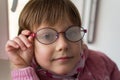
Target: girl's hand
{"type": "Point", "coordinates": [20, 50]}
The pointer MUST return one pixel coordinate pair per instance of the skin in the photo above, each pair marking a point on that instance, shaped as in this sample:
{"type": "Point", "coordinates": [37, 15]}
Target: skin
{"type": "Point", "coordinates": [47, 56]}
{"type": "Point", "coordinates": [20, 50]}
{"type": "Point", "coordinates": [59, 57]}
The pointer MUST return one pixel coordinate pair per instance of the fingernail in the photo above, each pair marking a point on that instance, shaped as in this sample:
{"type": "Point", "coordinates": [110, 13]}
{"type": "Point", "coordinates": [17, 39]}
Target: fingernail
{"type": "Point", "coordinates": [32, 35]}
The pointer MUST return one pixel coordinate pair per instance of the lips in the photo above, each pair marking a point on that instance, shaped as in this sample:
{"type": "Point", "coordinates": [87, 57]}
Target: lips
{"type": "Point", "coordinates": [62, 58]}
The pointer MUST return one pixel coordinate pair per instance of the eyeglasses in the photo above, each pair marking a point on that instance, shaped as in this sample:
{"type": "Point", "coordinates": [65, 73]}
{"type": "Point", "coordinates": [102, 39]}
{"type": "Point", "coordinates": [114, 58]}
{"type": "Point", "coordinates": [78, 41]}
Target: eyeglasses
{"type": "Point", "coordinates": [49, 35]}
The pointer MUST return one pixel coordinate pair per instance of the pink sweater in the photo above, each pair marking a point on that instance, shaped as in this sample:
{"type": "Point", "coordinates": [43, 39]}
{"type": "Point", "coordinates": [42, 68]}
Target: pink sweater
{"type": "Point", "coordinates": [97, 67]}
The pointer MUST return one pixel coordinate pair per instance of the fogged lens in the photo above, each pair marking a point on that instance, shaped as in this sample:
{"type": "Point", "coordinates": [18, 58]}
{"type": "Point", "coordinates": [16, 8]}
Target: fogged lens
{"type": "Point", "coordinates": [73, 34]}
{"type": "Point", "coordinates": [46, 36]}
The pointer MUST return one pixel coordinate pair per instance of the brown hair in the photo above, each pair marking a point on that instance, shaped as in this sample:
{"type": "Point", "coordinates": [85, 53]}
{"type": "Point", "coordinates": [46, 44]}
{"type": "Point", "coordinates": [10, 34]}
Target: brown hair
{"type": "Point", "coordinates": [50, 11]}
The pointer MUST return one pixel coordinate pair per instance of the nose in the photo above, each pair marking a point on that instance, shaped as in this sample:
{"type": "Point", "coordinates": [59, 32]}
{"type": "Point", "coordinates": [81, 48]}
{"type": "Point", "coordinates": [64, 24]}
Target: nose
{"type": "Point", "coordinates": [62, 43]}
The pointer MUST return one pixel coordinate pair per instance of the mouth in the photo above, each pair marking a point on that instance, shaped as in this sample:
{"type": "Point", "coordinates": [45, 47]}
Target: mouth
{"type": "Point", "coordinates": [63, 58]}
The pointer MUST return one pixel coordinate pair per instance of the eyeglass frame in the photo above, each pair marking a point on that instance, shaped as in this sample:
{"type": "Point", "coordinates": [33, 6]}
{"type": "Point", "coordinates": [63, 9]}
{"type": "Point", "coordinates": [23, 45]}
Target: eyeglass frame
{"type": "Point", "coordinates": [34, 34]}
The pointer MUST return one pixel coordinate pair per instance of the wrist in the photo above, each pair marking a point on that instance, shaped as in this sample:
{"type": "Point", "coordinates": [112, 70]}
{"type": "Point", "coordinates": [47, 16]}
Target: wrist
{"type": "Point", "coordinates": [15, 67]}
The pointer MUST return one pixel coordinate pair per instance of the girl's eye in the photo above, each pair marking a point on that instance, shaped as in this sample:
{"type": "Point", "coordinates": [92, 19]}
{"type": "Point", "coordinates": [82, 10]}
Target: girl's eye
{"type": "Point", "coordinates": [45, 36]}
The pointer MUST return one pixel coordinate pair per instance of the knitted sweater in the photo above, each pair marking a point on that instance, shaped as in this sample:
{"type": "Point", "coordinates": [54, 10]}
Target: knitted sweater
{"type": "Point", "coordinates": [97, 67]}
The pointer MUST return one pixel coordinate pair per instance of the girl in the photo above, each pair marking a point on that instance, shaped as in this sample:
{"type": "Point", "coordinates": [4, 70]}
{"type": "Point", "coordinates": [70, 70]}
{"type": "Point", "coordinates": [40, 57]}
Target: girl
{"type": "Point", "coordinates": [50, 47]}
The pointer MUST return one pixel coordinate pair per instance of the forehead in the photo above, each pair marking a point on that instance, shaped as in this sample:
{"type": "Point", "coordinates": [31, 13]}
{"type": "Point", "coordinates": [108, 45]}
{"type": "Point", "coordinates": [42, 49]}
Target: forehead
{"type": "Point", "coordinates": [59, 26]}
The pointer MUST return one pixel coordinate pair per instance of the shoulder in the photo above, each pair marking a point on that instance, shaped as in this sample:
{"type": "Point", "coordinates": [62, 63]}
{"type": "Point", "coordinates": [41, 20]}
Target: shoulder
{"type": "Point", "coordinates": [101, 66]}
{"type": "Point", "coordinates": [95, 56]}
{"type": "Point", "coordinates": [99, 58]}
{"type": "Point", "coordinates": [99, 62]}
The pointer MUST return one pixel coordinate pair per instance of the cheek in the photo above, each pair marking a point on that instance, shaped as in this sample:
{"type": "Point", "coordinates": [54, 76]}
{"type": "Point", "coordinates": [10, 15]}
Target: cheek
{"type": "Point", "coordinates": [77, 48]}
{"type": "Point", "coordinates": [43, 53]}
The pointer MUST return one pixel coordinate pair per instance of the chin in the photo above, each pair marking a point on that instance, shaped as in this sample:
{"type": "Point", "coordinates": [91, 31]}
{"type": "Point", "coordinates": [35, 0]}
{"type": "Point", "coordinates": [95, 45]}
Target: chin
{"type": "Point", "coordinates": [62, 71]}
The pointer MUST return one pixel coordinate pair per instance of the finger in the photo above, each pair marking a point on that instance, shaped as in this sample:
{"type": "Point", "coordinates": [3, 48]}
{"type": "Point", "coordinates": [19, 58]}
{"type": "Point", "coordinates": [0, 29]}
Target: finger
{"type": "Point", "coordinates": [11, 45]}
{"type": "Point", "coordinates": [25, 40]}
{"type": "Point", "coordinates": [20, 43]}
{"type": "Point", "coordinates": [31, 37]}
{"type": "Point", "coordinates": [26, 32]}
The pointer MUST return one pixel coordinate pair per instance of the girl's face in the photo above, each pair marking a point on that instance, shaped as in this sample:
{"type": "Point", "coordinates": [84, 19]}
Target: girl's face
{"type": "Point", "coordinates": [61, 56]}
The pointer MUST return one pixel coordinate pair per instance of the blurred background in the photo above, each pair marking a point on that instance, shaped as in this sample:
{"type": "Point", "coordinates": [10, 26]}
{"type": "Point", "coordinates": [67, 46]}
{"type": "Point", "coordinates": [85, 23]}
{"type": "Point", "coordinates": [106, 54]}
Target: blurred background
{"type": "Point", "coordinates": [100, 17]}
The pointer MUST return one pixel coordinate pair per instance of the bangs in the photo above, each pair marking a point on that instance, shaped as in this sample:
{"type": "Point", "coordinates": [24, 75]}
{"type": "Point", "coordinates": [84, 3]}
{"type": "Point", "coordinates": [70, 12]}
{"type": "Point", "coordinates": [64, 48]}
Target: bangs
{"type": "Point", "coordinates": [49, 12]}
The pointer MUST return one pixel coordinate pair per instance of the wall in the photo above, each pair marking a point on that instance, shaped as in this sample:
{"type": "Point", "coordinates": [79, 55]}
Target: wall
{"type": "Point", "coordinates": [3, 28]}
{"type": "Point", "coordinates": [108, 30]}
{"type": "Point", "coordinates": [4, 70]}
{"type": "Point", "coordinates": [4, 64]}
{"type": "Point", "coordinates": [107, 37]}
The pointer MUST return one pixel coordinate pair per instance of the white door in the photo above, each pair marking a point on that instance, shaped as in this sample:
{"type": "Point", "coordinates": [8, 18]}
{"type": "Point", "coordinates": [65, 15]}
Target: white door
{"type": "Point", "coordinates": [14, 9]}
